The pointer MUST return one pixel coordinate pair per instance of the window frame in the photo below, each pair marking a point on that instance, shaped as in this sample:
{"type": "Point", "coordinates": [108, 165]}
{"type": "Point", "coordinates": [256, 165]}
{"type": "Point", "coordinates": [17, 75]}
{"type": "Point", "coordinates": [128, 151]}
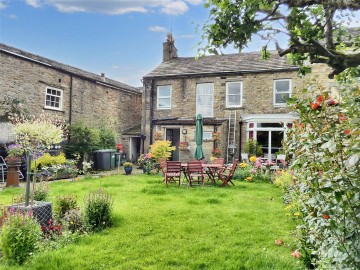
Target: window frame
{"type": "Point", "coordinates": [49, 107]}
{"type": "Point", "coordinates": [212, 103]}
{"type": "Point", "coordinates": [275, 92]}
{"type": "Point", "coordinates": [158, 97]}
{"type": "Point", "coordinates": [227, 94]}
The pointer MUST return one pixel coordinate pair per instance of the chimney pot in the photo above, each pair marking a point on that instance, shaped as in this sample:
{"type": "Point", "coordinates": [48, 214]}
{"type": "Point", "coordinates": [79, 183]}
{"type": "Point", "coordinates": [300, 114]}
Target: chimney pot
{"type": "Point", "coordinates": [169, 50]}
{"type": "Point", "coordinates": [103, 77]}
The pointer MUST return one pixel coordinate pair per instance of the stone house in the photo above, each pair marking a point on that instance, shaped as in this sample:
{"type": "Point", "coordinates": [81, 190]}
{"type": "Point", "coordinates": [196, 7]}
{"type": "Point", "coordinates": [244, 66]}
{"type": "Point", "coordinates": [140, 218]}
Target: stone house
{"type": "Point", "coordinates": [238, 95]}
{"type": "Point", "coordinates": [71, 94]}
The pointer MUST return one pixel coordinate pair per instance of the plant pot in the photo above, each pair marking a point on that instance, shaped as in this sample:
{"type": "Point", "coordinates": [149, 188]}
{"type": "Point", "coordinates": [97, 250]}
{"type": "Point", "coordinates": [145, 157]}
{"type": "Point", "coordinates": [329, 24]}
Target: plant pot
{"type": "Point", "coordinates": [128, 170]}
{"type": "Point", "coordinates": [12, 179]}
{"type": "Point", "coordinates": [42, 211]}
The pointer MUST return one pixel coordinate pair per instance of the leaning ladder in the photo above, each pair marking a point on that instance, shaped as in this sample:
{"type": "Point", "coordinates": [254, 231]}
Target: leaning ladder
{"type": "Point", "coordinates": [231, 137]}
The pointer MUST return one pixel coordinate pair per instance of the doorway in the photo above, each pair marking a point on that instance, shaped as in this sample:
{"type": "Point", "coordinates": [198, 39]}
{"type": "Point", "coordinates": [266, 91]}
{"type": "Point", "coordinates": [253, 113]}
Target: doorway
{"type": "Point", "coordinates": [173, 135]}
{"type": "Point", "coordinates": [134, 148]}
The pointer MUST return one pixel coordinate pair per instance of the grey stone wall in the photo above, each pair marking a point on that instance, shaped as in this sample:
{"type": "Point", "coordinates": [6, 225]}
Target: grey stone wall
{"type": "Point", "coordinates": [92, 103]}
{"type": "Point", "coordinates": [257, 99]}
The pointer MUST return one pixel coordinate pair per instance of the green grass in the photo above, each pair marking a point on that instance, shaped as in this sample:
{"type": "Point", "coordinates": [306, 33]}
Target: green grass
{"type": "Point", "coordinates": [156, 227]}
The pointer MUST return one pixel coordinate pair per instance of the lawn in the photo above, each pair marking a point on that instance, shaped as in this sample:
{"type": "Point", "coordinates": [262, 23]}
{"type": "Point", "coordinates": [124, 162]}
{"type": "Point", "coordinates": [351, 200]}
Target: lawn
{"type": "Point", "coordinates": [159, 227]}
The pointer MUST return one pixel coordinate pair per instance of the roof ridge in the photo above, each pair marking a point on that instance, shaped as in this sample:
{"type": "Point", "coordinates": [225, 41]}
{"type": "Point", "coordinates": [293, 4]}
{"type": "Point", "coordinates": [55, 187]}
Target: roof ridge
{"type": "Point", "coordinates": [65, 67]}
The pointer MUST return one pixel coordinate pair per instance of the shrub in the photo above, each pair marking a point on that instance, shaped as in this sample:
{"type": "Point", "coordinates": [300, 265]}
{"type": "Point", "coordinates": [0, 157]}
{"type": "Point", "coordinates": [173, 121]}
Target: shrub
{"type": "Point", "coordinates": [98, 210]}
{"type": "Point", "coordinates": [73, 221]}
{"type": "Point", "coordinates": [46, 160]}
{"type": "Point", "coordinates": [325, 143]}
{"type": "Point", "coordinates": [64, 204]}
{"type": "Point", "coordinates": [253, 148]}
{"type": "Point", "coordinates": [106, 137]}
{"type": "Point", "coordinates": [161, 149]}
{"type": "Point", "coordinates": [283, 179]}
{"type": "Point", "coordinates": [83, 140]}
{"type": "Point", "coordinates": [19, 237]}
{"type": "Point", "coordinates": [40, 194]}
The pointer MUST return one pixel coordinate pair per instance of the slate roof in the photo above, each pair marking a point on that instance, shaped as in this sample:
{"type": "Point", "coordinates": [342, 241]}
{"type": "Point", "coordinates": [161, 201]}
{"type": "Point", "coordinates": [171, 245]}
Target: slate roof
{"type": "Point", "coordinates": [66, 68]}
{"type": "Point", "coordinates": [239, 63]}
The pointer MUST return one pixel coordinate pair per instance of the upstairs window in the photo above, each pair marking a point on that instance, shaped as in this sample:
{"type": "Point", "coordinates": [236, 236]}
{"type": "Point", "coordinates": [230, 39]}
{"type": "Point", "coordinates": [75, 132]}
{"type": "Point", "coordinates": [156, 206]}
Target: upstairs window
{"type": "Point", "coordinates": [53, 98]}
{"type": "Point", "coordinates": [282, 91]}
{"type": "Point", "coordinates": [205, 99]}
{"type": "Point", "coordinates": [164, 97]}
{"type": "Point", "coordinates": [233, 94]}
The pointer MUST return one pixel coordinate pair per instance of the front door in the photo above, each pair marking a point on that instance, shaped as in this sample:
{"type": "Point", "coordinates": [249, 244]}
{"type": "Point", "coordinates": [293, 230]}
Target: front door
{"type": "Point", "coordinates": [173, 135]}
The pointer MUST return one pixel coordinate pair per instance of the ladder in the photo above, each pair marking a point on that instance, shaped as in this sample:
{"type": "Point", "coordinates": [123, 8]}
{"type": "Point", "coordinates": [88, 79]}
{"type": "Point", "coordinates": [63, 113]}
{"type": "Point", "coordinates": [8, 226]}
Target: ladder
{"type": "Point", "coordinates": [231, 137]}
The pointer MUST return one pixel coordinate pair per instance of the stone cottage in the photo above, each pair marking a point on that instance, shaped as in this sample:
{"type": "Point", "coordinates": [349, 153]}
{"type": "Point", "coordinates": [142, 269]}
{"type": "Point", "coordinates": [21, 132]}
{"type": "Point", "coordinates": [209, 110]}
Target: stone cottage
{"type": "Point", "coordinates": [239, 96]}
{"type": "Point", "coordinates": [70, 93]}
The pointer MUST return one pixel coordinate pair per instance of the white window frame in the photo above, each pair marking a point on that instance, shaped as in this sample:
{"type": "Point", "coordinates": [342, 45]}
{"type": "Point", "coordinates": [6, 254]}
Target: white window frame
{"type": "Point", "coordinates": [51, 95]}
{"type": "Point", "coordinates": [212, 100]}
{"type": "Point", "coordinates": [227, 94]}
{"type": "Point", "coordinates": [275, 92]}
{"type": "Point", "coordinates": [163, 97]}
{"type": "Point", "coordinates": [207, 135]}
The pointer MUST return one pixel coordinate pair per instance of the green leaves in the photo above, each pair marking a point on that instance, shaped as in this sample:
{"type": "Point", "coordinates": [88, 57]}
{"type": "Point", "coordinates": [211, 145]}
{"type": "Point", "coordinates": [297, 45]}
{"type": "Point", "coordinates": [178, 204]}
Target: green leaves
{"type": "Point", "coordinates": [325, 143]}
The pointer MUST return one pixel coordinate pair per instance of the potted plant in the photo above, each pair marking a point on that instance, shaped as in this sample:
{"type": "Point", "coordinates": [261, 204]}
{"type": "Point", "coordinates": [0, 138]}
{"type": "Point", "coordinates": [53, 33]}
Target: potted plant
{"type": "Point", "coordinates": [215, 136]}
{"type": "Point", "coordinates": [183, 146]}
{"type": "Point", "coordinates": [13, 161]}
{"type": "Point", "coordinates": [128, 166]}
{"type": "Point", "coordinates": [15, 152]}
{"type": "Point", "coordinates": [216, 152]}
{"type": "Point", "coordinates": [147, 163]}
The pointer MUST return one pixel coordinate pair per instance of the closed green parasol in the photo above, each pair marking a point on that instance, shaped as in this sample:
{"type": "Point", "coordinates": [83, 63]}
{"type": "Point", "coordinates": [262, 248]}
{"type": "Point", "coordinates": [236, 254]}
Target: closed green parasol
{"type": "Point", "coordinates": [199, 152]}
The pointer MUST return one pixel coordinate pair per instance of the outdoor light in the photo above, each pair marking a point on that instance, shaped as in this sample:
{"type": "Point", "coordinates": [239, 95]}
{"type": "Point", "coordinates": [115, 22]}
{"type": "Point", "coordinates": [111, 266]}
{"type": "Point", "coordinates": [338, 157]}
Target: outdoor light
{"type": "Point", "coordinates": [184, 131]}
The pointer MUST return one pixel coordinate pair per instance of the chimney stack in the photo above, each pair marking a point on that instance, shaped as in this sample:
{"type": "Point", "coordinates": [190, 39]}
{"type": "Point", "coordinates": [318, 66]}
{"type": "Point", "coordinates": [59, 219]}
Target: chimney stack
{"type": "Point", "coordinates": [169, 50]}
{"type": "Point", "coordinates": [103, 77]}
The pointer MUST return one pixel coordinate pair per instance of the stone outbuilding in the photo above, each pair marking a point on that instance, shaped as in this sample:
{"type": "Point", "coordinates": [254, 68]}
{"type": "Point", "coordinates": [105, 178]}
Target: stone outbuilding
{"type": "Point", "coordinates": [71, 94]}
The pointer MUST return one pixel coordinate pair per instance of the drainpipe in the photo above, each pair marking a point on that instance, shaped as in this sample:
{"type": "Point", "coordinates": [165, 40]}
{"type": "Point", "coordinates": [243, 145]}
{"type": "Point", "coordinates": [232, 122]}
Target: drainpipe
{"type": "Point", "coordinates": [143, 131]}
{"type": "Point", "coordinates": [240, 140]}
{"type": "Point", "coordinates": [70, 97]}
{"type": "Point", "coordinates": [151, 110]}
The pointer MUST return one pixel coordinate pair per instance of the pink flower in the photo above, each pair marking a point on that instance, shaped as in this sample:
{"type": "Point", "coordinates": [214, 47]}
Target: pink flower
{"type": "Point", "coordinates": [296, 254]}
{"type": "Point", "coordinates": [279, 242]}
{"type": "Point", "coordinates": [253, 170]}
{"type": "Point", "coordinates": [257, 164]}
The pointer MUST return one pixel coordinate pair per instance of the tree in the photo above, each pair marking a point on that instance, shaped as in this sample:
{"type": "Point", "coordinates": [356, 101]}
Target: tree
{"type": "Point", "coordinates": [315, 29]}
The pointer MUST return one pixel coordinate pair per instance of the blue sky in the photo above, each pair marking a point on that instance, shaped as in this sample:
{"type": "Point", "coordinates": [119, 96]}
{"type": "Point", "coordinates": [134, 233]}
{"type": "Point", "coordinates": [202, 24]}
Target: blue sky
{"type": "Point", "coordinates": [121, 38]}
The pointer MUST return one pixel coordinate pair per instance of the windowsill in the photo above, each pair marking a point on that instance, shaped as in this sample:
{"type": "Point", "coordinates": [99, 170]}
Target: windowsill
{"type": "Point", "coordinates": [280, 106]}
{"type": "Point", "coordinates": [234, 107]}
{"type": "Point", "coordinates": [162, 109]}
{"type": "Point", "coordinates": [53, 109]}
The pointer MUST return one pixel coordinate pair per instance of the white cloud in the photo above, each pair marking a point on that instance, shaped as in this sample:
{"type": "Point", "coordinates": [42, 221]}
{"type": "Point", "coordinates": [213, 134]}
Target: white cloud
{"type": "Point", "coordinates": [195, 2]}
{"type": "Point", "coordinates": [116, 7]}
{"type": "Point", "coordinates": [12, 16]}
{"type": "Point", "coordinates": [174, 8]}
{"type": "Point", "coordinates": [34, 3]}
{"type": "Point", "coordinates": [157, 28]}
{"type": "Point", "coordinates": [2, 4]}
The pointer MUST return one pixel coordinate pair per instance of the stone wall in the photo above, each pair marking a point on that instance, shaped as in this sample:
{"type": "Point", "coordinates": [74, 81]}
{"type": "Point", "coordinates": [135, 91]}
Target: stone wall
{"type": "Point", "coordinates": [257, 99]}
{"type": "Point", "coordinates": [92, 103]}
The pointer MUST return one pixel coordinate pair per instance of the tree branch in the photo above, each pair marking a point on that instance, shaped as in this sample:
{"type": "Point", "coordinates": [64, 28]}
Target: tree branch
{"type": "Point", "coordinates": [338, 4]}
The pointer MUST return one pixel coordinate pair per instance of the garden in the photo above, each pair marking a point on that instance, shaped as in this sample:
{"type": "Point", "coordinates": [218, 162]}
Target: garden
{"type": "Point", "coordinates": [152, 226]}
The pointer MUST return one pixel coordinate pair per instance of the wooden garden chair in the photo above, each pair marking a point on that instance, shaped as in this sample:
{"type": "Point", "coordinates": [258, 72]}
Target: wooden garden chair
{"type": "Point", "coordinates": [195, 173]}
{"type": "Point", "coordinates": [227, 173]}
{"type": "Point", "coordinates": [173, 172]}
{"type": "Point", "coordinates": [162, 164]}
